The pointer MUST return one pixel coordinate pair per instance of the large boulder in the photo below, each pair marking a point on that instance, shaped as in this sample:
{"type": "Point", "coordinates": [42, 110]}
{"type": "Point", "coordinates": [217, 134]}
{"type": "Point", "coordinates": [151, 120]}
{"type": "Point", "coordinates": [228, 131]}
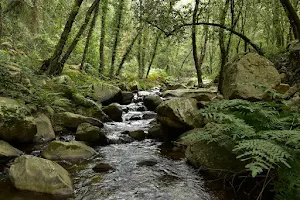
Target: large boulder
{"type": "Point", "coordinates": [201, 94]}
{"type": "Point", "coordinates": [248, 76]}
{"type": "Point", "coordinates": [127, 97]}
{"type": "Point", "coordinates": [8, 151]}
{"type": "Point", "coordinates": [72, 121]}
{"type": "Point", "coordinates": [15, 122]}
{"type": "Point", "coordinates": [151, 102]}
{"type": "Point", "coordinates": [40, 175]}
{"type": "Point", "coordinates": [106, 93]}
{"type": "Point", "coordinates": [45, 130]}
{"type": "Point", "coordinates": [89, 133]}
{"type": "Point", "coordinates": [114, 111]}
{"type": "Point", "coordinates": [213, 157]}
{"type": "Point", "coordinates": [74, 150]}
{"type": "Point", "coordinates": [179, 113]}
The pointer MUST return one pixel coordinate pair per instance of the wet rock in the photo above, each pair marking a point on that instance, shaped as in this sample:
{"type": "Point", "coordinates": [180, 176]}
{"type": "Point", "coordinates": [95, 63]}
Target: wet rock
{"type": "Point", "coordinates": [127, 98]}
{"type": "Point", "coordinates": [149, 115]}
{"type": "Point", "coordinates": [202, 94]}
{"type": "Point", "coordinates": [156, 132]}
{"type": "Point", "coordinates": [141, 108]}
{"type": "Point", "coordinates": [243, 72]}
{"type": "Point", "coordinates": [151, 102]}
{"type": "Point", "coordinates": [175, 86]}
{"type": "Point", "coordinates": [73, 150]}
{"type": "Point", "coordinates": [135, 87]}
{"type": "Point", "coordinates": [72, 121]}
{"type": "Point", "coordinates": [106, 93]}
{"type": "Point", "coordinates": [138, 135]}
{"type": "Point", "coordinates": [8, 151]}
{"type": "Point", "coordinates": [135, 117]}
{"type": "Point", "coordinates": [103, 167]}
{"type": "Point", "coordinates": [89, 133]}
{"type": "Point", "coordinates": [179, 113]}
{"type": "Point", "coordinates": [114, 111]}
{"type": "Point", "coordinates": [148, 163]}
{"type": "Point", "coordinates": [15, 122]}
{"type": "Point", "coordinates": [40, 175]}
{"type": "Point", "coordinates": [45, 130]}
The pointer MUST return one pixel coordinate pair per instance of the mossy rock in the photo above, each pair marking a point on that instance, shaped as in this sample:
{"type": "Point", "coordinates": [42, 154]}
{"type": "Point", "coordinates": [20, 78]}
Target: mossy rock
{"type": "Point", "coordinates": [8, 151]}
{"type": "Point", "coordinates": [138, 135]}
{"type": "Point", "coordinates": [45, 130]}
{"type": "Point", "coordinates": [106, 93]}
{"type": "Point", "coordinates": [114, 111]}
{"type": "Point", "coordinates": [89, 133]}
{"type": "Point", "coordinates": [40, 175]}
{"type": "Point", "coordinates": [71, 151]}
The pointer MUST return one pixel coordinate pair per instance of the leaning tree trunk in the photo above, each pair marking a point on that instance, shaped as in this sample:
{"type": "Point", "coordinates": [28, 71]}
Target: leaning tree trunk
{"type": "Point", "coordinates": [79, 34]}
{"type": "Point", "coordinates": [102, 37]}
{"type": "Point", "coordinates": [117, 37]}
{"type": "Point", "coordinates": [128, 50]}
{"type": "Point", "coordinates": [52, 65]}
{"type": "Point", "coordinates": [90, 34]}
{"type": "Point", "coordinates": [293, 17]}
{"type": "Point", "coordinates": [194, 44]}
{"type": "Point", "coordinates": [153, 54]}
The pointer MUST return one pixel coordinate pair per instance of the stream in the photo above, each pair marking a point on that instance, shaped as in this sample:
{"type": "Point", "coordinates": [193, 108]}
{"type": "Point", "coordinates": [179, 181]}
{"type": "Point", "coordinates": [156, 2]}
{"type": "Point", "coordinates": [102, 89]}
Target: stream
{"type": "Point", "coordinates": [142, 169]}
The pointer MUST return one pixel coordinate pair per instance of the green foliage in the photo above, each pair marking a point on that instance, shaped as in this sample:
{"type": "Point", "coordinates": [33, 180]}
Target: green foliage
{"type": "Point", "coordinates": [261, 134]}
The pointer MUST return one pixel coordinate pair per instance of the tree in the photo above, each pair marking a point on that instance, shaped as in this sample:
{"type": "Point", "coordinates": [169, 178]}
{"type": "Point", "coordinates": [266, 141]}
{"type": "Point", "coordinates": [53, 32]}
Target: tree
{"type": "Point", "coordinates": [293, 17]}
{"type": "Point", "coordinates": [118, 17]}
{"type": "Point", "coordinates": [153, 54]}
{"type": "Point", "coordinates": [102, 37]}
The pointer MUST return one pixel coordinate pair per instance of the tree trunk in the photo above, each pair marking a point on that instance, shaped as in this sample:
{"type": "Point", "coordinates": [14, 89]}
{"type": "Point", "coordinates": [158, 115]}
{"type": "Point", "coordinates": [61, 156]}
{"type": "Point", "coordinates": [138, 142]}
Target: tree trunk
{"type": "Point", "coordinates": [139, 56]}
{"type": "Point", "coordinates": [52, 65]}
{"type": "Point", "coordinates": [293, 17]}
{"type": "Point", "coordinates": [79, 34]}
{"type": "Point", "coordinates": [35, 17]}
{"type": "Point", "coordinates": [117, 37]}
{"type": "Point", "coordinates": [153, 54]}
{"type": "Point", "coordinates": [128, 50]}
{"type": "Point", "coordinates": [102, 38]}
{"type": "Point", "coordinates": [90, 34]}
{"type": "Point", "coordinates": [277, 26]}
{"type": "Point", "coordinates": [1, 22]}
{"type": "Point", "coordinates": [194, 44]}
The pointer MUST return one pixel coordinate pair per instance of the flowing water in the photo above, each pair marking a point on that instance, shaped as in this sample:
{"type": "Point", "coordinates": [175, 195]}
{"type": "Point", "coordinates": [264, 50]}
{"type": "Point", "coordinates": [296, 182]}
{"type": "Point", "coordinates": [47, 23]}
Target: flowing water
{"type": "Point", "coordinates": [165, 177]}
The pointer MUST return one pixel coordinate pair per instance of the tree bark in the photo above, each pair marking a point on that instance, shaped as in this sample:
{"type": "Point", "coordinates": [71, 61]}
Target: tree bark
{"type": "Point", "coordinates": [128, 50]}
{"type": "Point", "coordinates": [293, 17]}
{"type": "Point", "coordinates": [79, 34]}
{"type": "Point", "coordinates": [52, 65]}
{"type": "Point", "coordinates": [90, 34]}
{"type": "Point", "coordinates": [153, 54]}
{"type": "Point", "coordinates": [117, 37]}
{"type": "Point", "coordinates": [194, 44]}
{"type": "Point", "coordinates": [35, 17]}
{"type": "Point", "coordinates": [102, 38]}
{"type": "Point", "coordinates": [1, 22]}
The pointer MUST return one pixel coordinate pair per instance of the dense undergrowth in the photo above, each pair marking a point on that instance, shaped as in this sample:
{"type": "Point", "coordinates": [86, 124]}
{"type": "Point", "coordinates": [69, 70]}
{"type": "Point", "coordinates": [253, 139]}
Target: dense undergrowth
{"type": "Point", "coordinates": [264, 136]}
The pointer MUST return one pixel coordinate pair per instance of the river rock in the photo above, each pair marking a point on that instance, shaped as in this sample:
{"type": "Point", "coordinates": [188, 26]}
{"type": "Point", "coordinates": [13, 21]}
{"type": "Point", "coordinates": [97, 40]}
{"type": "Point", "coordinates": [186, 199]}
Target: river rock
{"type": "Point", "coordinates": [282, 88]}
{"type": "Point", "coordinates": [114, 111]}
{"type": "Point", "coordinates": [40, 175]}
{"type": "Point", "coordinates": [135, 87]}
{"type": "Point", "coordinates": [73, 150]}
{"type": "Point", "coordinates": [202, 94]}
{"type": "Point", "coordinates": [149, 163]}
{"type": "Point", "coordinates": [8, 151]}
{"type": "Point", "coordinates": [245, 71]}
{"type": "Point", "coordinates": [89, 133]}
{"type": "Point", "coordinates": [72, 121]}
{"type": "Point", "coordinates": [152, 101]}
{"type": "Point", "coordinates": [212, 157]}
{"type": "Point", "coordinates": [127, 98]}
{"type": "Point", "coordinates": [15, 122]}
{"type": "Point", "coordinates": [175, 86]}
{"type": "Point", "coordinates": [156, 132]}
{"type": "Point", "coordinates": [45, 131]}
{"type": "Point", "coordinates": [106, 93]}
{"type": "Point", "coordinates": [103, 167]}
{"type": "Point", "coordinates": [179, 113]}
{"type": "Point", "coordinates": [138, 135]}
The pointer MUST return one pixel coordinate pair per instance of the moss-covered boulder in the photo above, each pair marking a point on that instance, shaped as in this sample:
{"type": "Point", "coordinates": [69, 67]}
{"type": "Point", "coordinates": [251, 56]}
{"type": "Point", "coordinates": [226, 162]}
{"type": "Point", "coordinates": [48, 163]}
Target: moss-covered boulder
{"type": "Point", "coordinates": [114, 111]}
{"type": "Point", "coordinates": [89, 133]}
{"type": "Point", "coordinates": [212, 157]}
{"type": "Point", "coordinates": [248, 76]}
{"type": "Point", "coordinates": [45, 130]}
{"type": "Point", "coordinates": [106, 93]}
{"type": "Point", "coordinates": [74, 150]}
{"type": "Point", "coordinates": [72, 121]}
{"type": "Point", "coordinates": [16, 124]}
{"type": "Point", "coordinates": [152, 101]}
{"type": "Point", "coordinates": [127, 97]}
{"type": "Point", "coordinates": [156, 132]}
{"type": "Point", "coordinates": [8, 151]}
{"type": "Point", "coordinates": [179, 113]}
{"type": "Point", "coordinates": [40, 175]}
{"type": "Point", "coordinates": [138, 135]}
{"type": "Point", "coordinates": [202, 94]}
